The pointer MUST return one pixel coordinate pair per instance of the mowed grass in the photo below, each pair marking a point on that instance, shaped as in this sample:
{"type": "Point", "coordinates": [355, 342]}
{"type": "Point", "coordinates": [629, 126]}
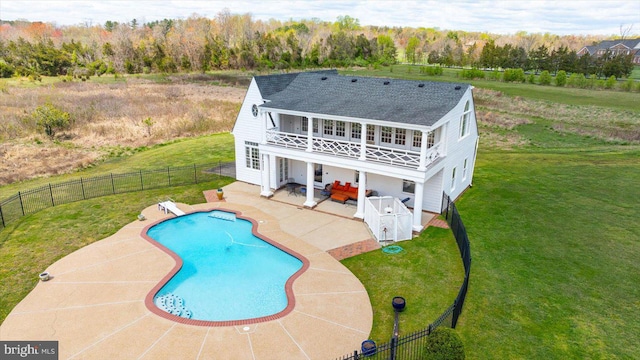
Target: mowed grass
{"type": "Point", "coordinates": [427, 273]}
{"type": "Point", "coordinates": [555, 240]}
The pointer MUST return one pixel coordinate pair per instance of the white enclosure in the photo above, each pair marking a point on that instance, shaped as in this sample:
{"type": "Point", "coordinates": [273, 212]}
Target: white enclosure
{"type": "Point", "coordinates": [388, 218]}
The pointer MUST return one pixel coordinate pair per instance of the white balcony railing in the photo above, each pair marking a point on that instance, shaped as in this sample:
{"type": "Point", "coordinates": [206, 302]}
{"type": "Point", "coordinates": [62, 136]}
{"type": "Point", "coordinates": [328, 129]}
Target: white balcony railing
{"type": "Point", "coordinates": [381, 154]}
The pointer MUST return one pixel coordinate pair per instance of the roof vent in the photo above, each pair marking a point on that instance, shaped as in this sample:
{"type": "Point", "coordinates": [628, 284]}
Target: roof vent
{"type": "Point", "coordinates": [323, 78]}
{"type": "Point", "coordinates": [386, 82]}
{"type": "Point", "coordinates": [420, 85]}
{"type": "Point", "coordinates": [354, 80]}
{"type": "Point", "coordinates": [458, 87]}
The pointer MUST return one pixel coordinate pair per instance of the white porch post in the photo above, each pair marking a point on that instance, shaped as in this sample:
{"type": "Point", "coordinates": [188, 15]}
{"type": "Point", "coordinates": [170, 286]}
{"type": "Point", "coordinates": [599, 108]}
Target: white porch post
{"type": "Point", "coordinates": [310, 203]}
{"type": "Point", "coordinates": [310, 134]}
{"type": "Point", "coordinates": [417, 206]}
{"type": "Point", "coordinates": [363, 141]}
{"type": "Point", "coordinates": [362, 189]}
{"type": "Point", "coordinates": [265, 183]}
{"type": "Point", "coordinates": [423, 151]}
{"type": "Point", "coordinates": [265, 126]}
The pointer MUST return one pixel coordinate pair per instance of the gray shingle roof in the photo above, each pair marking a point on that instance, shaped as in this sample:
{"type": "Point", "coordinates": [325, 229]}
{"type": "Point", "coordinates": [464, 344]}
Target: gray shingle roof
{"type": "Point", "coordinates": [402, 101]}
{"type": "Point", "coordinates": [271, 84]}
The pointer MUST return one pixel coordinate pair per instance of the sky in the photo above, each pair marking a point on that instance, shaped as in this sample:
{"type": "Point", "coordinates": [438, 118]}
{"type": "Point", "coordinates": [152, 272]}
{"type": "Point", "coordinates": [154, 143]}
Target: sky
{"type": "Point", "coordinates": [561, 17]}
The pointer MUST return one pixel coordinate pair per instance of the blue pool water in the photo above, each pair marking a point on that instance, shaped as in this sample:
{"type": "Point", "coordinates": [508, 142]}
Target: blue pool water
{"type": "Point", "coordinates": [227, 272]}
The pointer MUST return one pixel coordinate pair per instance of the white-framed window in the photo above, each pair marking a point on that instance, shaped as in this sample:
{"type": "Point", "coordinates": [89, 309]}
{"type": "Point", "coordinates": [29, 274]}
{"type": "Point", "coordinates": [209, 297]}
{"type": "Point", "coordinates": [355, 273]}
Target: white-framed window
{"type": "Point", "coordinates": [408, 187]}
{"type": "Point", "coordinates": [431, 139]}
{"type": "Point", "coordinates": [305, 124]}
{"type": "Point", "coordinates": [252, 155]}
{"type": "Point", "coordinates": [371, 134]}
{"type": "Point", "coordinates": [341, 128]}
{"type": "Point", "coordinates": [356, 179]}
{"type": "Point", "coordinates": [386, 133]}
{"type": "Point", "coordinates": [453, 179]}
{"type": "Point", "coordinates": [356, 130]}
{"type": "Point", "coordinates": [464, 120]}
{"type": "Point", "coordinates": [315, 126]}
{"type": "Point", "coordinates": [464, 168]}
{"type": "Point", "coordinates": [417, 139]}
{"type": "Point", "coordinates": [327, 127]}
{"type": "Point", "coordinates": [401, 137]}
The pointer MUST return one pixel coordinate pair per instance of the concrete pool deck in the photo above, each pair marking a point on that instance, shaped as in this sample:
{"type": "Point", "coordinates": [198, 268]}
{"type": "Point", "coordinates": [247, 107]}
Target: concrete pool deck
{"type": "Point", "coordinates": [94, 303]}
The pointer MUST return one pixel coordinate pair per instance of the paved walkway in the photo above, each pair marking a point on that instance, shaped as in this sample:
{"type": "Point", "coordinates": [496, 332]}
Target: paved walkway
{"type": "Point", "coordinates": [94, 304]}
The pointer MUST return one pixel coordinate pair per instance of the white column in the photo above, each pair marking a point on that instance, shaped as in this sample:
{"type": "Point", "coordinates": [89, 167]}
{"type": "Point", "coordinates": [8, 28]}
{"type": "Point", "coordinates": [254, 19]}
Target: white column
{"type": "Point", "coordinates": [423, 151]}
{"type": "Point", "coordinates": [265, 183]}
{"type": "Point", "coordinates": [362, 189]}
{"type": "Point", "coordinates": [363, 141]}
{"type": "Point", "coordinates": [417, 206]}
{"type": "Point", "coordinates": [310, 135]}
{"type": "Point", "coordinates": [265, 127]}
{"type": "Point", "coordinates": [310, 203]}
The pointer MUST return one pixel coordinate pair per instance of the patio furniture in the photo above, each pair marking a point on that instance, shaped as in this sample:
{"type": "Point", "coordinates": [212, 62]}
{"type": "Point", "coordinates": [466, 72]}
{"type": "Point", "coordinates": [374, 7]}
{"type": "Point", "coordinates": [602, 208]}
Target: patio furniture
{"type": "Point", "coordinates": [339, 197]}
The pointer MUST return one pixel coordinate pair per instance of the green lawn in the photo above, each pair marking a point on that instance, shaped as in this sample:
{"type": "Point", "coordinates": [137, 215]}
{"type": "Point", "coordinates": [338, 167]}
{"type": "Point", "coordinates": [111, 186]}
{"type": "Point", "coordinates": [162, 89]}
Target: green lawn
{"type": "Point", "coordinates": [555, 240]}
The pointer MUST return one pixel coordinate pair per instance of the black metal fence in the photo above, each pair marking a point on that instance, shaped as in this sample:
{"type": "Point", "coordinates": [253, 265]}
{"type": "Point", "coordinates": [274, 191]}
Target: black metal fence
{"type": "Point", "coordinates": [34, 200]}
{"type": "Point", "coordinates": [411, 346]}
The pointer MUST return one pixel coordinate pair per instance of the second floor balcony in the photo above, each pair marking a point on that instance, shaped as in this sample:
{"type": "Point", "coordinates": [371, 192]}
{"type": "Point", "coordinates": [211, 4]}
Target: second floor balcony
{"type": "Point", "coordinates": [357, 150]}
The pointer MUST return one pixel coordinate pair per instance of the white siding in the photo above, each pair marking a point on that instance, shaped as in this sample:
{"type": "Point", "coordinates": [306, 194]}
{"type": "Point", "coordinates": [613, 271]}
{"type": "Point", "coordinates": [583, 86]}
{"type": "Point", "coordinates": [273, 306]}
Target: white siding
{"type": "Point", "coordinates": [458, 149]}
{"type": "Point", "coordinates": [248, 128]}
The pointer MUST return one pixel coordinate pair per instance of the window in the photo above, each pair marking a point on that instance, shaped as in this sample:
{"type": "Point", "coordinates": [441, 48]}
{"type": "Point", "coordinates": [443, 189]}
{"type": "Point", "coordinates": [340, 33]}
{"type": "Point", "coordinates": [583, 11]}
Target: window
{"type": "Point", "coordinates": [464, 169]}
{"type": "Point", "coordinates": [356, 130]}
{"type": "Point", "coordinates": [328, 127]}
{"type": "Point", "coordinates": [417, 139]}
{"type": "Point", "coordinates": [252, 155]}
{"type": "Point", "coordinates": [408, 187]}
{"type": "Point", "coordinates": [401, 136]}
{"type": "Point", "coordinates": [340, 128]}
{"type": "Point", "coordinates": [453, 179]}
{"type": "Point", "coordinates": [315, 126]}
{"type": "Point", "coordinates": [356, 180]}
{"type": "Point", "coordinates": [371, 134]}
{"type": "Point", "coordinates": [386, 133]}
{"type": "Point", "coordinates": [431, 139]}
{"type": "Point", "coordinates": [305, 124]}
{"type": "Point", "coordinates": [464, 121]}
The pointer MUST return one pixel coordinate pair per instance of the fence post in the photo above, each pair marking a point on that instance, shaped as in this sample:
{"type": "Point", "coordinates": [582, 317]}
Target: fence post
{"type": "Point", "coordinates": [394, 342]}
{"type": "Point", "coordinates": [141, 183]}
{"type": "Point", "coordinates": [21, 204]}
{"type": "Point", "coordinates": [195, 173]}
{"type": "Point", "coordinates": [2, 218]}
{"type": "Point", "coordinates": [84, 197]}
{"type": "Point", "coordinates": [113, 185]}
{"type": "Point", "coordinates": [51, 194]}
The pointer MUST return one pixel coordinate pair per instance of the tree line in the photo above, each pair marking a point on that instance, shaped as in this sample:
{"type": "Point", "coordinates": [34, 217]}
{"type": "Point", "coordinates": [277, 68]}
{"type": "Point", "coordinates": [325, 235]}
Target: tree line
{"type": "Point", "coordinates": [236, 41]}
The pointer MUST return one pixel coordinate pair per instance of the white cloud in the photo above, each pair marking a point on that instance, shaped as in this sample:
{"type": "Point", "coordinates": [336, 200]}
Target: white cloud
{"type": "Point", "coordinates": [505, 16]}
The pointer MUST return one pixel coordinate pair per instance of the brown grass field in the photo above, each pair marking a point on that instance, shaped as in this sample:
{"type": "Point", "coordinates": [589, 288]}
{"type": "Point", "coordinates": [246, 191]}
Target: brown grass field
{"type": "Point", "coordinates": [108, 120]}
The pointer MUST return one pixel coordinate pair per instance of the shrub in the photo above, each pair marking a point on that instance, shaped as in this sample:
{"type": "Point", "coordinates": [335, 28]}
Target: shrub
{"type": "Point", "coordinates": [531, 79]}
{"type": "Point", "coordinates": [627, 85]}
{"type": "Point", "coordinates": [472, 74]}
{"type": "Point", "coordinates": [561, 78]}
{"type": "Point", "coordinates": [545, 78]}
{"type": "Point", "coordinates": [611, 82]}
{"type": "Point", "coordinates": [431, 70]}
{"type": "Point", "coordinates": [513, 75]}
{"type": "Point", "coordinates": [577, 80]}
{"type": "Point", "coordinates": [444, 344]}
{"type": "Point", "coordinates": [495, 75]}
{"type": "Point", "coordinates": [51, 119]}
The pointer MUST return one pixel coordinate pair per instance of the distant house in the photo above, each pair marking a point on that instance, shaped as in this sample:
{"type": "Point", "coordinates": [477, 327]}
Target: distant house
{"type": "Point", "coordinates": [412, 140]}
{"type": "Point", "coordinates": [614, 47]}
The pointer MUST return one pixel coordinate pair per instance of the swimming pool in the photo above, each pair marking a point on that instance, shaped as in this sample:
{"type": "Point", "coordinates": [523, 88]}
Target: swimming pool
{"type": "Point", "coordinates": [226, 272]}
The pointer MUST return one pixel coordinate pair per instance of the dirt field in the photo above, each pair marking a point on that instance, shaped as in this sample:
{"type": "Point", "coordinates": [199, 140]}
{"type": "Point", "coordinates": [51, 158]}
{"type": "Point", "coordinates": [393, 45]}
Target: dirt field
{"type": "Point", "coordinates": [108, 120]}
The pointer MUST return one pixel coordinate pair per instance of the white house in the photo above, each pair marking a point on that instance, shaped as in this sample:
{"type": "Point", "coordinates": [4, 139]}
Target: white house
{"type": "Point", "coordinates": [401, 138]}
